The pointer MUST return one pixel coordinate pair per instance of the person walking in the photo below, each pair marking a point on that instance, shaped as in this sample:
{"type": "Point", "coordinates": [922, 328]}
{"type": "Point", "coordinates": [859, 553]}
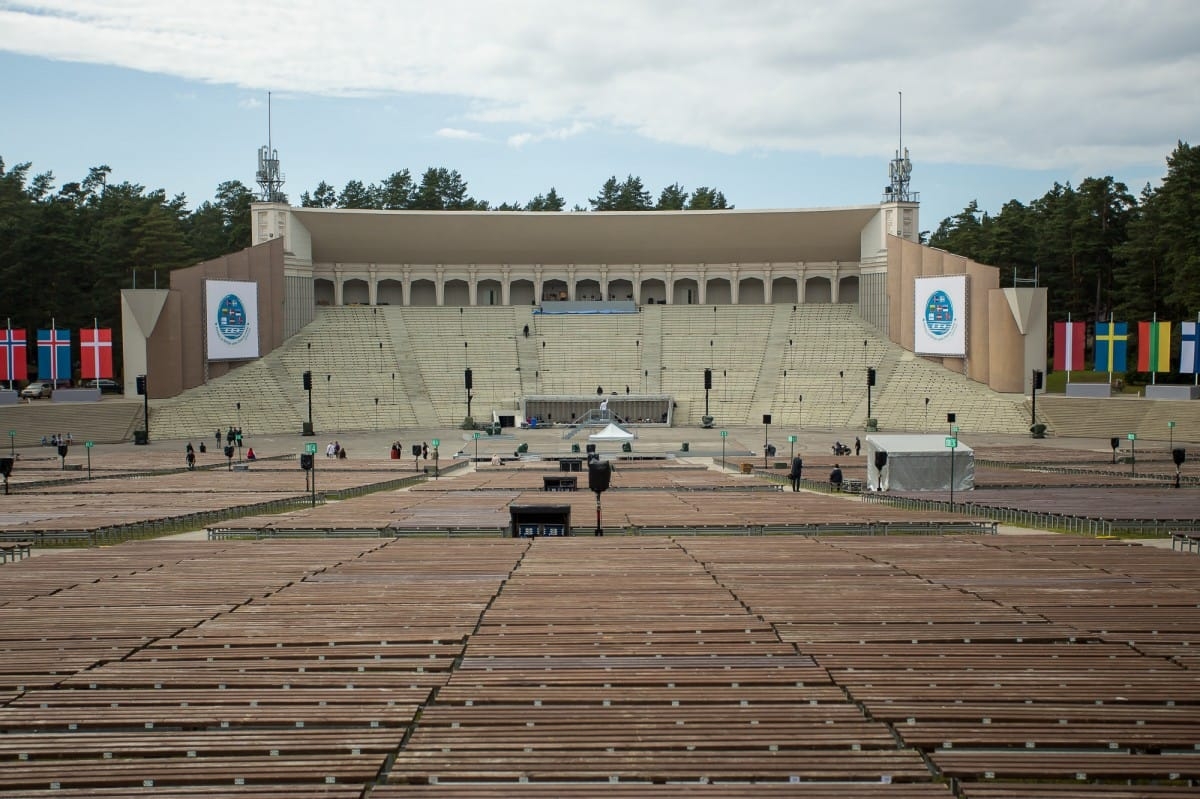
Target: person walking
{"type": "Point", "coordinates": [794, 474]}
{"type": "Point", "coordinates": [857, 446]}
{"type": "Point", "coordinates": [835, 478]}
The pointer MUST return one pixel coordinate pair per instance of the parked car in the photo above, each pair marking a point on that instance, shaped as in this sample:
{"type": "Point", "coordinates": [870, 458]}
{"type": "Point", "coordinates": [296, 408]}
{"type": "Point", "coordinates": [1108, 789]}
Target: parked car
{"type": "Point", "coordinates": [106, 386]}
{"type": "Point", "coordinates": [37, 390]}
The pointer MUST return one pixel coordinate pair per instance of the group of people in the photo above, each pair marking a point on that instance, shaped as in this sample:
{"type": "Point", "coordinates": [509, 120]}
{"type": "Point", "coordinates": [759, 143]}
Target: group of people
{"type": "Point", "coordinates": [335, 450]}
{"type": "Point", "coordinates": [843, 449]}
{"type": "Point", "coordinates": [57, 439]}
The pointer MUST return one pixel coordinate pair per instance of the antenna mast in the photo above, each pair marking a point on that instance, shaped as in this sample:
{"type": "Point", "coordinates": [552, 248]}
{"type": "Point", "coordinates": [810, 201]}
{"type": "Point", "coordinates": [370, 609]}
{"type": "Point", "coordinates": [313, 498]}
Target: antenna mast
{"type": "Point", "coordinates": [268, 176]}
{"type": "Point", "coordinates": [900, 170]}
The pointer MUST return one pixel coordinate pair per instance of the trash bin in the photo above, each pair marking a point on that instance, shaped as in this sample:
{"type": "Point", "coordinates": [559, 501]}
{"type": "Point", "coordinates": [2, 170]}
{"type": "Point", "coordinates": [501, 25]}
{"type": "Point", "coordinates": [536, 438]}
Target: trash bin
{"type": "Point", "coordinates": [574, 447]}
{"type": "Point", "coordinates": [684, 447]}
{"type": "Point", "coordinates": [141, 437]}
{"type": "Point", "coordinates": [747, 468]}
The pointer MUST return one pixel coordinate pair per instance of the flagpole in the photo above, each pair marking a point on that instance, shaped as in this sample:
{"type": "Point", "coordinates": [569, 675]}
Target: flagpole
{"type": "Point", "coordinates": [1068, 347]}
{"type": "Point", "coordinates": [1196, 372]}
{"type": "Point", "coordinates": [1154, 352]}
{"type": "Point", "coordinates": [1112, 343]}
{"type": "Point", "coordinates": [10, 354]}
{"type": "Point", "coordinates": [54, 352]}
{"type": "Point", "coordinates": [96, 351]}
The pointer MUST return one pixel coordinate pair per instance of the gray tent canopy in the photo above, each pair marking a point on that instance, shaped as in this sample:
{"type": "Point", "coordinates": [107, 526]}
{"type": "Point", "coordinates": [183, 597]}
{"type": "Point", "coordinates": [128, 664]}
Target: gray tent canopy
{"type": "Point", "coordinates": [919, 463]}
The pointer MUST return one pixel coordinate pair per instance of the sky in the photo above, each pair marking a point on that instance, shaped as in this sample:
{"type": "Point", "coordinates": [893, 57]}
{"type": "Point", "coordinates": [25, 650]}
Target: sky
{"type": "Point", "coordinates": [776, 103]}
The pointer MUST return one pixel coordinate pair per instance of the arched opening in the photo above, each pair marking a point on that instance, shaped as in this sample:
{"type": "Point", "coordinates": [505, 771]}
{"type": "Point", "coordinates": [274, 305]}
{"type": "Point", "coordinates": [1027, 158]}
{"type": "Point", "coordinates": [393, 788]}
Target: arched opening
{"type": "Point", "coordinates": [389, 292]}
{"type": "Point", "coordinates": [554, 289]}
{"type": "Point", "coordinates": [355, 292]}
{"type": "Point", "coordinates": [620, 290]}
{"type": "Point", "coordinates": [489, 292]}
{"type": "Point", "coordinates": [718, 292]}
{"type": "Point", "coordinates": [848, 289]}
{"type": "Point", "coordinates": [654, 291]}
{"type": "Point", "coordinates": [687, 292]}
{"type": "Point", "coordinates": [520, 292]}
{"type": "Point", "coordinates": [323, 291]}
{"type": "Point", "coordinates": [424, 293]}
{"type": "Point", "coordinates": [818, 289]}
{"type": "Point", "coordinates": [785, 291]}
{"type": "Point", "coordinates": [588, 290]}
{"type": "Point", "coordinates": [456, 293]}
{"type": "Point", "coordinates": [751, 291]}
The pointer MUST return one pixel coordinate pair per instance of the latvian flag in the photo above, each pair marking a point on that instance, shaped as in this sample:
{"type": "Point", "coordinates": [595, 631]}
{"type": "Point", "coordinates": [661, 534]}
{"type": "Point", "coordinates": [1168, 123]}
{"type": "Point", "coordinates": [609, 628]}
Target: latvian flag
{"type": "Point", "coordinates": [1154, 346]}
{"type": "Point", "coordinates": [54, 354]}
{"type": "Point", "coordinates": [95, 353]}
{"type": "Point", "coordinates": [1068, 346]}
{"type": "Point", "coordinates": [13, 359]}
{"type": "Point", "coordinates": [1189, 353]}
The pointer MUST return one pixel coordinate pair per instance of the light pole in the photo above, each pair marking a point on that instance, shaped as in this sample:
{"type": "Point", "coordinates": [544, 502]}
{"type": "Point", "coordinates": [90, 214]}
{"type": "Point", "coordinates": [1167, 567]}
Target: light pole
{"type": "Point", "coordinates": [724, 433]}
{"type": "Point", "coordinates": [842, 376]}
{"type": "Point", "coordinates": [800, 401]}
{"type": "Point", "coordinates": [926, 427]}
{"type": "Point", "coordinates": [1171, 430]}
{"type": "Point", "coordinates": [766, 436]}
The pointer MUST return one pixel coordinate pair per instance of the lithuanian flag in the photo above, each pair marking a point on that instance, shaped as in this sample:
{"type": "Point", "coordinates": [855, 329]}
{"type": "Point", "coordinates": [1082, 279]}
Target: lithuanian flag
{"type": "Point", "coordinates": [1154, 346]}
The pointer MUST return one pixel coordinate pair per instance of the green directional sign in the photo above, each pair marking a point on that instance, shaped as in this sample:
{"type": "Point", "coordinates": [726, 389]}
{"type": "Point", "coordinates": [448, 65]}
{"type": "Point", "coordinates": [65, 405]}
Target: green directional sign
{"type": "Point", "coordinates": [436, 442]}
{"type": "Point", "coordinates": [1171, 424]}
{"type": "Point", "coordinates": [1132, 436]}
{"type": "Point", "coordinates": [89, 444]}
{"type": "Point", "coordinates": [951, 442]}
{"type": "Point", "coordinates": [954, 429]}
{"type": "Point", "coordinates": [476, 436]}
{"type": "Point", "coordinates": [724, 433]}
{"type": "Point", "coordinates": [311, 448]}
{"type": "Point", "coordinates": [791, 439]}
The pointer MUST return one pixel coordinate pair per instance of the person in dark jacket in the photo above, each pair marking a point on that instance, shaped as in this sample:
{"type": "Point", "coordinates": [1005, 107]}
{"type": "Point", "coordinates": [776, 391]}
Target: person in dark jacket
{"type": "Point", "coordinates": [835, 478]}
{"type": "Point", "coordinates": [795, 473]}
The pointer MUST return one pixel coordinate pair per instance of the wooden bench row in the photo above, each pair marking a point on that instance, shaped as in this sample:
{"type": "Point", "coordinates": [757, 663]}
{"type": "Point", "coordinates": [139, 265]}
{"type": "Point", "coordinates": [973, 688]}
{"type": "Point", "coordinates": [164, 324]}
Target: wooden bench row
{"type": "Point", "coordinates": [15, 550]}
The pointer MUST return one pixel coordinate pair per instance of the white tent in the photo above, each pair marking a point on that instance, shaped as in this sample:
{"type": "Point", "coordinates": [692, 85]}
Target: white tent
{"type": "Point", "coordinates": [919, 463]}
{"type": "Point", "coordinates": [612, 433]}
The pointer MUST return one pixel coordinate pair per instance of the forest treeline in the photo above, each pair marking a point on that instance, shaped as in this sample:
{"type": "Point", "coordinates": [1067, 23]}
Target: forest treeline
{"type": "Point", "coordinates": [67, 250]}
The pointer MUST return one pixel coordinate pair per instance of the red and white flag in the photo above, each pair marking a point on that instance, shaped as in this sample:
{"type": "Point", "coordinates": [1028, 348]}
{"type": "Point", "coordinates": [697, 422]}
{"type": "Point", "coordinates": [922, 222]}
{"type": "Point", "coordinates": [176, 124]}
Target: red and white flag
{"type": "Point", "coordinates": [95, 353]}
{"type": "Point", "coordinates": [1068, 346]}
{"type": "Point", "coordinates": [13, 364]}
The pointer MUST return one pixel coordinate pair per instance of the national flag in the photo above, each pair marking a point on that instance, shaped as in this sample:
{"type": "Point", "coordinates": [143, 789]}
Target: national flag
{"type": "Point", "coordinates": [1189, 353]}
{"type": "Point", "coordinates": [54, 354]}
{"type": "Point", "coordinates": [13, 364]}
{"type": "Point", "coordinates": [95, 353]}
{"type": "Point", "coordinates": [1112, 338]}
{"type": "Point", "coordinates": [1068, 346]}
{"type": "Point", "coordinates": [1154, 346]}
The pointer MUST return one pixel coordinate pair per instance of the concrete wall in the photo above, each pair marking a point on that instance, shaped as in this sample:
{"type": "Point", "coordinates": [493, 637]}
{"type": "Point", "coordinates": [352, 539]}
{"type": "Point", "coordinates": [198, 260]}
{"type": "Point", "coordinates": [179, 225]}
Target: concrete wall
{"type": "Point", "coordinates": [1004, 335]}
{"type": "Point", "coordinates": [174, 351]}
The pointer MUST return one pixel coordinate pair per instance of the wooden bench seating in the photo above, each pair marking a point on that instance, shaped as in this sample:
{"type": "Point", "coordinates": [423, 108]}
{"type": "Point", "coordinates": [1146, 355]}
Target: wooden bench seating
{"type": "Point", "coordinates": [680, 790]}
{"type": "Point", "coordinates": [1187, 541]}
{"type": "Point", "coordinates": [1058, 765]}
{"type": "Point", "coordinates": [180, 771]}
{"type": "Point", "coordinates": [515, 763]}
{"type": "Point", "coordinates": [15, 550]}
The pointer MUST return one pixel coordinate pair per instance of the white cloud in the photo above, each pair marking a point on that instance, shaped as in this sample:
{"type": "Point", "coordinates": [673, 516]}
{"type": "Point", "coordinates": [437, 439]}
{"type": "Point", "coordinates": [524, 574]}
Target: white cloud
{"type": "Point", "coordinates": [250, 103]}
{"type": "Point", "coordinates": [1021, 83]}
{"type": "Point", "coordinates": [459, 134]}
{"type": "Point", "coordinates": [557, 134]}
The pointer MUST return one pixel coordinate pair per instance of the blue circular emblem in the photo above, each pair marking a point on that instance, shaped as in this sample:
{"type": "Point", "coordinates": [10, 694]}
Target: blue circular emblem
{"type": "Point", "coordinates": [232, 326]}
{"type": "Point", "coordinates": [939, 314]}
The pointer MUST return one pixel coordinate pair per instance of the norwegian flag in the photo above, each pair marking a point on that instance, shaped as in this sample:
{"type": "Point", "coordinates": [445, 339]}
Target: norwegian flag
{"type": "Point", "coordinates": [95, 352]}
{"type": "Point", "coordinates": [13, 364]}
{"type": "Point", "coordinates": [54, 354]}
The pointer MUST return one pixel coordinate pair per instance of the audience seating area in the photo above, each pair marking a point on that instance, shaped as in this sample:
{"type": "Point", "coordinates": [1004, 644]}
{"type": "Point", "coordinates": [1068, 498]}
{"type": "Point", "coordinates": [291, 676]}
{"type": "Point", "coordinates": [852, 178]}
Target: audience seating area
{"type": "Point", "coordinates": [899, 668]}
{"type": "Point", "coordinates": [386, 367]}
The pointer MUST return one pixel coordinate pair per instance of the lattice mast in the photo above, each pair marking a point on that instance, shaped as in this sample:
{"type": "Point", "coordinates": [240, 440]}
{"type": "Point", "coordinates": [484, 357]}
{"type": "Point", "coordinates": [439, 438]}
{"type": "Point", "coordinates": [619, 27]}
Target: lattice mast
{"type": "Point", "coordinates": [268, 176]}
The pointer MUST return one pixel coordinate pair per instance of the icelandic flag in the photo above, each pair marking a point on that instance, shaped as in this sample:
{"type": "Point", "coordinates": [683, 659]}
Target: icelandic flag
{"type": "Point", "coordinates": [1068, 346]}
{"type": "Point", "coordinates": [1189, 353]}
{"type": "Point", "coordinates": [1154, 346]}
{"type": "Point", "coordinates": [12, 357]}
{"type": "Point", "coordinates": [95, 353]}
{"type": "Point", "coordinates": [54, 354]}
{"type": "Point", "coordinates": [1112, 338]}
